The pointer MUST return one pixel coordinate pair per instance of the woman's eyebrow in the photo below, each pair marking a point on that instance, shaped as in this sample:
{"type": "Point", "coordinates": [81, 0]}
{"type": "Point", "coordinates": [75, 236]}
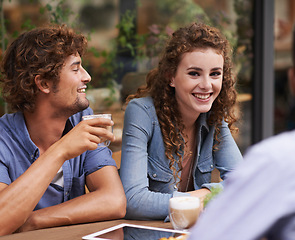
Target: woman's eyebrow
{"type": "Point", "coordinates": [200, 69]}
{"type": "Point", "coordinates": [216, 69]}
{"type": "Point", "coordinates": [195, 68]}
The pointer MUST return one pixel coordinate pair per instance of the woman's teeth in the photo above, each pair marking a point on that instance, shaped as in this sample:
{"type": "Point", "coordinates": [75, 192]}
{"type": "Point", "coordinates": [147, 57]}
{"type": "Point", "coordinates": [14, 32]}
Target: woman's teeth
{"type": "Point", "coordinates": [202, 96]}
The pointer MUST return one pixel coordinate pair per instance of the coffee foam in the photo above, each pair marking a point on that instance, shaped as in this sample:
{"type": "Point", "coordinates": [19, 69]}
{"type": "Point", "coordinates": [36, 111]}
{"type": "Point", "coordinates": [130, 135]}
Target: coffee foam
{"type": "Point", "coordinates": [184, 202]}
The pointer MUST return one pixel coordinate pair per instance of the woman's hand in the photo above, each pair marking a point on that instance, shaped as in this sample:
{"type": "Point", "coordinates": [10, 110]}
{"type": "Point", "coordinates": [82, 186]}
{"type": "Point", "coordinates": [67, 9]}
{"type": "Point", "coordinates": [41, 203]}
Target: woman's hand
{"type": "Point", "coordinates": [200, 193]}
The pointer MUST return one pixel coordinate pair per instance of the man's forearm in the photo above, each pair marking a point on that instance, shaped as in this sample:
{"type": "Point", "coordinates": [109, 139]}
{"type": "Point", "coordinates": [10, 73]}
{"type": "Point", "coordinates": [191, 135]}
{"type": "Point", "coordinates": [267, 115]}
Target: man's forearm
{"type": "Point", "coordinates": [91, 207]}
{"type": "Point", "coordinates": [20, 198]}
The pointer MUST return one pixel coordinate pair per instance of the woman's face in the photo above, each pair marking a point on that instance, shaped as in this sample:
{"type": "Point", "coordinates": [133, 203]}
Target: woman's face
{"type": "Point", "coordinates": [198, 82]}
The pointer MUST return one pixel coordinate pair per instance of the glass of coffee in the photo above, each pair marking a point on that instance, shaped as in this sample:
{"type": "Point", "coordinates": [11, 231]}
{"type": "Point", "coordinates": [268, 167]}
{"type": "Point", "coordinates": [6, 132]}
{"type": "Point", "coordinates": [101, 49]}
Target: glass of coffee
{"type": "Point", "coordinates": [104, 143]}
{"type": "Point", "coordinates": [184, 211]}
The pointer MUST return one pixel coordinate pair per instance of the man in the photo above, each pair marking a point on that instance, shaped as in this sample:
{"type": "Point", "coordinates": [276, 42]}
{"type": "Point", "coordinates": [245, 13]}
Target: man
{"type": "Point", "coordinates": [258, 200]}
{"type": "Point", "coordinates": [46, 154]}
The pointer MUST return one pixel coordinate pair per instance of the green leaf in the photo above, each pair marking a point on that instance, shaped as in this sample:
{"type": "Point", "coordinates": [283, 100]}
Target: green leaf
{"type": "Point", "coordinates": [49, 7]}
{"type": "Point", "coordinates": [214, 192]}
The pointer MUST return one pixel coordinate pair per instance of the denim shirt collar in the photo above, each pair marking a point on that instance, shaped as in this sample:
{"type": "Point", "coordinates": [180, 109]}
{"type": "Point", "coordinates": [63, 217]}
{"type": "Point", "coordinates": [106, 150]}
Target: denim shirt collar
{"type": "Point", "coordinates": [202, 121]}
{"type": "Point", "coordinates": [24, 135]}
{"type": "Point", "coordinates": [202, 125]}
{"type": "Point", "coordinates": [201, 133]}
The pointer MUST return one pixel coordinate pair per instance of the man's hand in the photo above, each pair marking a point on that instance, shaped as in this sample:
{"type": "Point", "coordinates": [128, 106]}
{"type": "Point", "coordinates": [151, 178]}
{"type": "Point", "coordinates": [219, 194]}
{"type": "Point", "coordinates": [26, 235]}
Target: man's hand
{"type": "Point", "coordinates": [84, 136]}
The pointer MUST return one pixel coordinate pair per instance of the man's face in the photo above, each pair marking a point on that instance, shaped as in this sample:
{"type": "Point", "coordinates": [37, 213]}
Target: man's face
{"type": "Point", "coordinates": [69, 93]}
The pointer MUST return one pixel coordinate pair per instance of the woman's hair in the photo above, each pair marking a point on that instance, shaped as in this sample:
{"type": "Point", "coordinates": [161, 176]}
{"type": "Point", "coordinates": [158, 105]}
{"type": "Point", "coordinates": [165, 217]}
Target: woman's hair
{"type": "Point", "coordinates": [293, 46]}
{"type": "Point", "coordinates": [41, 51]}
{"type": "Point", "coordinates": [183, 40]}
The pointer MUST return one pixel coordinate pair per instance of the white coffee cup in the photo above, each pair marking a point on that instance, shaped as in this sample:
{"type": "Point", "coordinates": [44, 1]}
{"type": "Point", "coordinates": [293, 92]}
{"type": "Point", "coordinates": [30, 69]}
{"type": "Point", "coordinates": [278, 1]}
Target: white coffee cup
{"type": "Point", "coordinates": [184, 211]}
{"type": "Point", "coordinates": [105, 143]}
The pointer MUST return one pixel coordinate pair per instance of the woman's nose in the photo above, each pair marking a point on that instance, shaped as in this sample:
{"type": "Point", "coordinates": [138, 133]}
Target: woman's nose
{"type": "Point", "coordinates": [205, 83]}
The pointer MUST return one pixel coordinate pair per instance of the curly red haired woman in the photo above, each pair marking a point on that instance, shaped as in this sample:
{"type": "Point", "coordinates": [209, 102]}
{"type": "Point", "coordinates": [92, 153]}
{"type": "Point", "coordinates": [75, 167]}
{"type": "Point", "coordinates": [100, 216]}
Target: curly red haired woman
{"type": "Point", "coordinates": [177, 128]}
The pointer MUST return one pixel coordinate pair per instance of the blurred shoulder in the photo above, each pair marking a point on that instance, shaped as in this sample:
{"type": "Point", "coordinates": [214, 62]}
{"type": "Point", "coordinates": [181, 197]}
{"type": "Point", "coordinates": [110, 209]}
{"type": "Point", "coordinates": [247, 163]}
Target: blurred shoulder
{"type": "Point", "coordinates": [277, 147]}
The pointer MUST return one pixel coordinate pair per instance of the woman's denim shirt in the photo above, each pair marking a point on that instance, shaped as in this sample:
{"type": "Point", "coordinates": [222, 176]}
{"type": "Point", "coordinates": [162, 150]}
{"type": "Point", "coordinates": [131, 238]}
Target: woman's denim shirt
{"type": "Point", "coordinates": [147, 179]}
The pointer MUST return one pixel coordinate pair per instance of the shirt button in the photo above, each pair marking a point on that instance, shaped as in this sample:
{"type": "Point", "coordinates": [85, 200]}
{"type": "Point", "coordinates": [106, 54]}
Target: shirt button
{"type": "Point", "coordinates": [67, 193]}
{"type": "Point", "coordinates": [175, 187]}
{"type": "Point", "coordinates": [154, 175]}
{"type": "Point", "coordinates": [211, 166]}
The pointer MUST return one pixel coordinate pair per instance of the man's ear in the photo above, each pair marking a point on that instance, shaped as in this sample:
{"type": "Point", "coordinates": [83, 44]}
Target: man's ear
{"type": "Point", "coordinates": [42, 84]}
{"type": "Point", "coordinates": [291, 78]}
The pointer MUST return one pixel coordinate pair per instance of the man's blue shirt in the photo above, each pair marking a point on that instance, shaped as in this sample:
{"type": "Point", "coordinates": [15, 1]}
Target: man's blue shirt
{"type": "Point", "coordinates": [18, 152]}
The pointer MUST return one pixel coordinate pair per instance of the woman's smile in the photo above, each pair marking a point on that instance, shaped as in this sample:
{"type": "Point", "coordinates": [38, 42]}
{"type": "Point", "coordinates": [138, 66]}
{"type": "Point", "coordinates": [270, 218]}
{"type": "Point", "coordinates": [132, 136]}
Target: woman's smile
{"type": "Point", "coordinates": [198, 81]}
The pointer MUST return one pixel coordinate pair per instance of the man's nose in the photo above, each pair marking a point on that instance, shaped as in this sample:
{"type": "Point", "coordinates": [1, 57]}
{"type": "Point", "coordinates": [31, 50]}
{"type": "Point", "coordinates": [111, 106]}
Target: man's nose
{"type": "Point", "coordinates": [86, 76]}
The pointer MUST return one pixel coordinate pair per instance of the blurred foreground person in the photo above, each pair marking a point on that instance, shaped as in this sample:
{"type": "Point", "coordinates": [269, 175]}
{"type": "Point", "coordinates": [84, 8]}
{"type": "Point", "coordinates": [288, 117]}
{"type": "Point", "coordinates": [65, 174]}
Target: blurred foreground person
{"type": "Point", "coordinates": [258, 198]}
{"type": "Point", "coordinates": [46, 154]}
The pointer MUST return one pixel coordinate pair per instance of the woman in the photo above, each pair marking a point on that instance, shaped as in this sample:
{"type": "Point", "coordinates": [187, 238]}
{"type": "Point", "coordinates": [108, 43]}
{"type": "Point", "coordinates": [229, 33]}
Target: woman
{"type": "Point", "coordinates": [177, 127]}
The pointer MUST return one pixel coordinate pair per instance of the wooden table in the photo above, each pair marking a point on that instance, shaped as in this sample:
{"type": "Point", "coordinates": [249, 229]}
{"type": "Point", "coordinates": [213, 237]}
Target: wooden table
{"type": "Point", "coordinates": [76, 232]}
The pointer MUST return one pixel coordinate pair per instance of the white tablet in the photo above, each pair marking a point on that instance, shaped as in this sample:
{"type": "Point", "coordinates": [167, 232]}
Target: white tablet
{"type": "Point", "coordinates": [136, 232]}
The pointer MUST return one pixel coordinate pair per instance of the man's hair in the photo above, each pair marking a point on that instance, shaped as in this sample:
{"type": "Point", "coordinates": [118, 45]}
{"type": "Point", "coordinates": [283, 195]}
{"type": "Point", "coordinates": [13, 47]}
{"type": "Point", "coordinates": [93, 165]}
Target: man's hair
{"type": "Point", "coordinates": [41, 51]}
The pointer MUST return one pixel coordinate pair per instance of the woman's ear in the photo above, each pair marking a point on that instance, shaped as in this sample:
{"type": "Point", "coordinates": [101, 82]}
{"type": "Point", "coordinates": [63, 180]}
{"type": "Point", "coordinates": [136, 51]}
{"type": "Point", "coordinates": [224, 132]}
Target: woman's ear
{"type": "Point", "coordinates": [172, 83]}
{"type": "Point", "coordinates": [42, 84]}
